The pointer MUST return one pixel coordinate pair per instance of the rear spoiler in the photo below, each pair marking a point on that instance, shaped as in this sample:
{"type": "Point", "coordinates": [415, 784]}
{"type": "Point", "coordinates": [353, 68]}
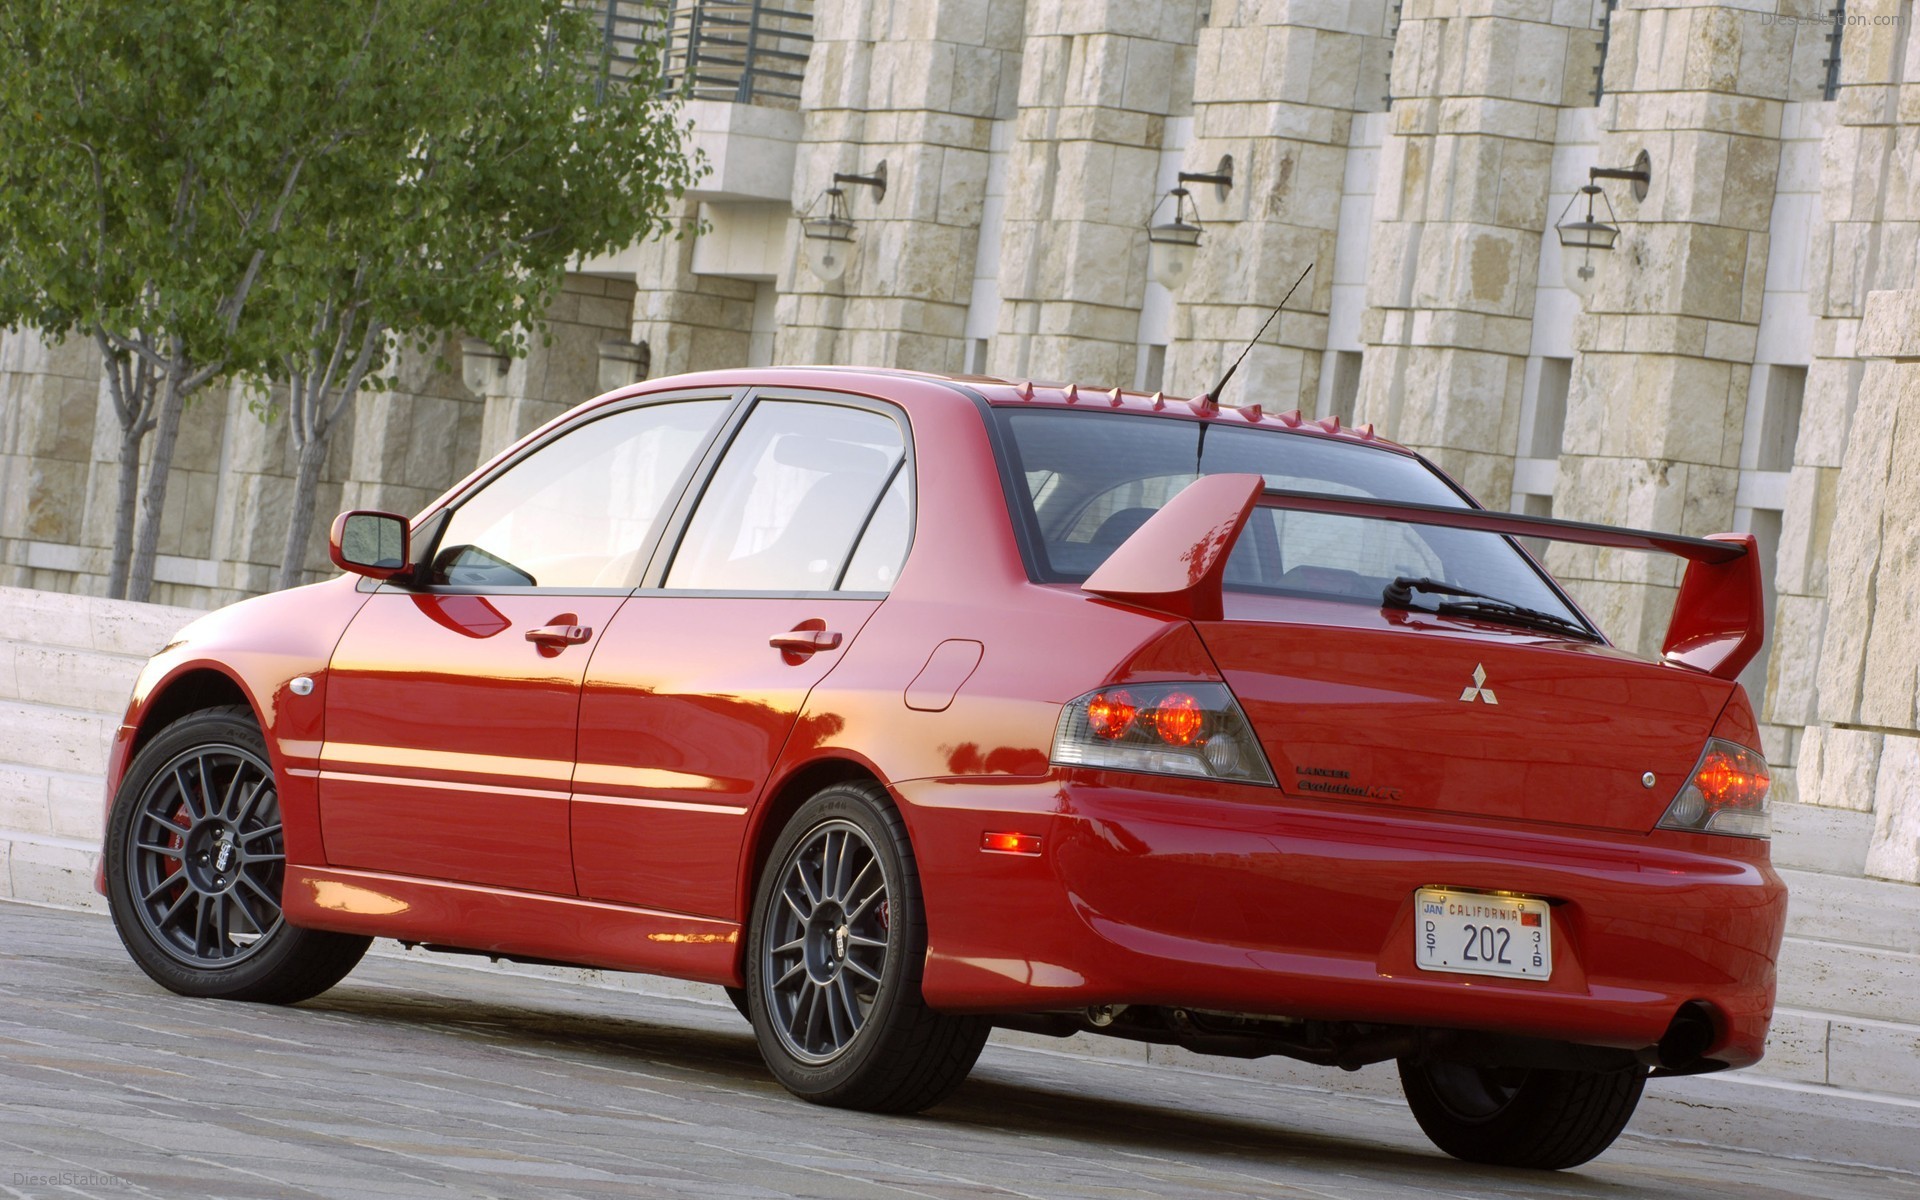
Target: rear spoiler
{"type": "Point", "coordinates": [1176, 561]}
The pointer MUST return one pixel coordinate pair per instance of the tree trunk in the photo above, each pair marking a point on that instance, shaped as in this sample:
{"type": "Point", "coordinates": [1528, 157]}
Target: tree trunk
{"type": "Point", "coordinates": [306, 486]}
{"type": "Point", "coordinates": [153, 501]}
{"type": "Point", "coordinates": [314, 412]}
{"type": "Point", "coordinates": [129, 494]}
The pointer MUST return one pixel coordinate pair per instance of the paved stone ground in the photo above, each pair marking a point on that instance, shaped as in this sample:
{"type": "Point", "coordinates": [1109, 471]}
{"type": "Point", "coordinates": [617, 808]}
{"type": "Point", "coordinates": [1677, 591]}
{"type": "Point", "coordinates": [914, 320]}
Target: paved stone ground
{"type": "Point", "coordinates": [426, 1079]}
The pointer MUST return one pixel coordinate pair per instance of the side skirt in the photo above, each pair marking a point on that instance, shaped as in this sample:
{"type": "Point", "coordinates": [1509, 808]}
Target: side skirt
{"type": "Point", "coordinates": [510, 924]}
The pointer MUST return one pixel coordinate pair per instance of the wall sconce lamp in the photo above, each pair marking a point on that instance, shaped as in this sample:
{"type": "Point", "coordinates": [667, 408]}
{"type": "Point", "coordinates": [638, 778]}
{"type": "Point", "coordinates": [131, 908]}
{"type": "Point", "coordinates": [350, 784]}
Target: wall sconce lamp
{"type": "Point", "coordinates": [1590, 233]}
{"type": "Point", "coordinates": [827, 238]}
{"type": "Point", "coordinates": [1173, 245]}
{"type": "Point", "coordinates": [481, 366]}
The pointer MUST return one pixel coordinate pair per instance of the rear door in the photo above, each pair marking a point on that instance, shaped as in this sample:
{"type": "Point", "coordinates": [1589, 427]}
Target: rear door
{"type": "Point", "coordinates": [451, 710]}
{"type": "Point", "coordinates": [696, 686]}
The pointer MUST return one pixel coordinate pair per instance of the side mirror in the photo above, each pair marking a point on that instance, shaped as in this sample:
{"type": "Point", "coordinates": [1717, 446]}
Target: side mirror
{"type": "Point", "coordinates": [374, 544]}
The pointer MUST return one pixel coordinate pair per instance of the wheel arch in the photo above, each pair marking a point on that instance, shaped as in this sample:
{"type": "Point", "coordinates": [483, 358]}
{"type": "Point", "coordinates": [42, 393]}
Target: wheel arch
{"type": "Point", "coordinates": [192, 690]}
{"type": "Point", "coordinates": [776, 808]}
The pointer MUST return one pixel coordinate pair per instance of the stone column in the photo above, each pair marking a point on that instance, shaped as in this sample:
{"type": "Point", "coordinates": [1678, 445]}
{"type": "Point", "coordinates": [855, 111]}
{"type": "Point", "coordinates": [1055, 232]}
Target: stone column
{"type": "Point", "coordinates": [562, 365]}
{"type": "Point", "coordinates": [1276, 88]}
{"type": "Point", "coordinates": [1098, 80]}
{"type": "Point", "coordinates": [241, 496]}
{"type": "Point", "coordinates": [916, 86]}
{"type": "Point", "coordinates": [1458, 213]}
{"type": "Point", "coordinates": [1865, 753]}
{"type": "Point", "coordinates": [690, 322]}
{"type": "Point", "coordinates": [1659, 391]}
{"type": "Point", "coordinates": [1851, 544]}
{"type": "Point", "coordinates": [415, 440]}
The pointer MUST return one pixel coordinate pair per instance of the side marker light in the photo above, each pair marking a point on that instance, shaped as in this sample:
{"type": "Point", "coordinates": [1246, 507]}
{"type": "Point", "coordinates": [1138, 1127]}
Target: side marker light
{"type": "Point", "coordinates": [1010, 843]}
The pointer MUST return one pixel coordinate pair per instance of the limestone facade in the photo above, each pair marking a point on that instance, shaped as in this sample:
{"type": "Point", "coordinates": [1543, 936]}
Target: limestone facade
{"type": "Point", "coordinates": [1748, 357]}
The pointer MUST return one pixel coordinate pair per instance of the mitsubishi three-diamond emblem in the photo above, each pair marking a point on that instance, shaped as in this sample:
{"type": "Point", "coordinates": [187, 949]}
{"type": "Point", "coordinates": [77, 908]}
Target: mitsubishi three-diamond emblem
{"type": "Point", "coordinates": [1479, 690]}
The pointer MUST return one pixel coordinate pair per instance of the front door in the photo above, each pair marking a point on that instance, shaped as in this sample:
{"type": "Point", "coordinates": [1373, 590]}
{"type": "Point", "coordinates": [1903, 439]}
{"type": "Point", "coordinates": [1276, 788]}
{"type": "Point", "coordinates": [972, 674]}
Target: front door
{"type": "Point", "coordinates": [695, 691]}
{"type": "Point", "coordinates": [452, 709]}
{"type": "Point", "coordinates": [450, 736]}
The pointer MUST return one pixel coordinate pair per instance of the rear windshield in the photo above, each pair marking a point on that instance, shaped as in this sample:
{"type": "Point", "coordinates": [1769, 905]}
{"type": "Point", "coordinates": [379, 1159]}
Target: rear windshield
{"type": "Point", "coordinates": [1084, 481]}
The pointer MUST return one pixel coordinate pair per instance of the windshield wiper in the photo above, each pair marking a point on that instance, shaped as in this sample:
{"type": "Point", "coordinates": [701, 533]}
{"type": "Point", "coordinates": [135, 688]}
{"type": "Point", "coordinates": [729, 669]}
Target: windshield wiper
{"type": "Point", "coordinates": [1399, 594]}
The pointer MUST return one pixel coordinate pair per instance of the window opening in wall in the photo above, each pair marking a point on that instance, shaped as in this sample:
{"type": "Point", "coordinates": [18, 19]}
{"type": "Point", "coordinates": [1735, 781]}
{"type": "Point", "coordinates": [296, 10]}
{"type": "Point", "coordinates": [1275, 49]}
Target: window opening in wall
{"type": "Point", "coordinates": [760, 338]}
{"type": "Point", "coordinates": [977, 356]}
{"type": "Point", "coordinates": [1780, 418]}
{"type": "Point", "coordinates": [1550, 408]}
{"type": "Point", "coordinates": [1345, 394]}
{"type": "Point", "coordinates": [1536, 506]}
{"type": "Point", "coordinates": [1831, 87]}
{"type": "Point", "coordinates": [1764, 524]}
{"type": "Point", "coordinates": [1153, 368]}
{"type": "Point", "coordinates": [1604, 20]}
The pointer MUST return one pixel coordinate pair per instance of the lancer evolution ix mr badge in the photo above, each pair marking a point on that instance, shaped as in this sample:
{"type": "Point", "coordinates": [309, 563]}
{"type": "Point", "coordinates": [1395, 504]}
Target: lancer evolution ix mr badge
{"type": "Point", "coordinates": [1479, 690]}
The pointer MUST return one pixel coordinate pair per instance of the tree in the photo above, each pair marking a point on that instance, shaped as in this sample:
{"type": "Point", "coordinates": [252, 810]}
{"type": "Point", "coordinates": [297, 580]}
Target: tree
{"type": "Point", "coordinates": [188, 184]}
{"type": "Point", "coordinates": [138, 209]}
{"type": "Point", "coordinates": [503, 144]}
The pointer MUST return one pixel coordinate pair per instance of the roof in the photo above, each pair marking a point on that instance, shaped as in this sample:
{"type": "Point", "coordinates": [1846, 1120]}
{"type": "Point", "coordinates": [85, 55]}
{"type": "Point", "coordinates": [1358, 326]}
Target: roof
{"type": "Point", "coordinates": [1005, 392]}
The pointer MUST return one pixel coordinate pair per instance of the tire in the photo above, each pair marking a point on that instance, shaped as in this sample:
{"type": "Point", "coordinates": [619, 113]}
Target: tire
{"type": "Point", "coordinates": [1520, 1117]}
{"type": "Point", "coordinates": [834, 962]}
{"type": "Point", "coordinates": [739, 998]}
{"type": "Point", "coordinates": [195, 862]}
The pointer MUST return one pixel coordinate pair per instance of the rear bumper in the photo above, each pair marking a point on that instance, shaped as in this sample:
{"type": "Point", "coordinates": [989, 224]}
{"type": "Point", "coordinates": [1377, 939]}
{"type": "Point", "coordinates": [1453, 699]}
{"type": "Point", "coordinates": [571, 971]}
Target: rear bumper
{"type": "Point", "coordinates": [1238, 899]}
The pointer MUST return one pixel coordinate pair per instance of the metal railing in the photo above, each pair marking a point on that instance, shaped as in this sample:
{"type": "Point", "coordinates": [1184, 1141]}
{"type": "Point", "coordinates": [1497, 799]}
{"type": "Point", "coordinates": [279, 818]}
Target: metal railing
{"type": "Point", "coordinates": [1830, 83]}
{"type": "Point", "coordinates": [630, 30]}
{"type": "Point", "coordinates": [741, 51]}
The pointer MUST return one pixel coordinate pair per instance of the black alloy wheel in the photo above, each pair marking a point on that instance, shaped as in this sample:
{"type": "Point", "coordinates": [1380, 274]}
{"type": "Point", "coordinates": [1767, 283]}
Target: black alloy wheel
{"type": "Point", "coordinates": [835, 952]}
{"type": "Point", "coordinates": [206, 859]}
{"type": "Point", "coordinates": [826, 947]}
{"type": "Point", "coordinates": [196, 864]}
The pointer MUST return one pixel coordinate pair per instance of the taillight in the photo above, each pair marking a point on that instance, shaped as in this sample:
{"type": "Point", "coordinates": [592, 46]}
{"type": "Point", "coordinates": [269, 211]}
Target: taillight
{"type": "Point", "coordinates": [1163, 729]}
{"type": "Point", "coordinates": [1727, 793]}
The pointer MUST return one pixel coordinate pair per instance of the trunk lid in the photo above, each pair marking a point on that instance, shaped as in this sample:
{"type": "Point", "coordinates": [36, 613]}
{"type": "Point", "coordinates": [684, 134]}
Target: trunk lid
{"type": "Point", "coordinates": [1412, 711]}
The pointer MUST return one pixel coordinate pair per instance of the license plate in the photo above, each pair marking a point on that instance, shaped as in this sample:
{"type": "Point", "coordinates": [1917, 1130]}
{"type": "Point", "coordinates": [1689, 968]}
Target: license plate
{"type": "Point", "coordinates": [1482, 933]}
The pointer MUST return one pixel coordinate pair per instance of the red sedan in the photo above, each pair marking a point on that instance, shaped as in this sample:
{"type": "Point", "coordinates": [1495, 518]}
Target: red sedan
{"type": "Point", "coordinates": [907, 706]}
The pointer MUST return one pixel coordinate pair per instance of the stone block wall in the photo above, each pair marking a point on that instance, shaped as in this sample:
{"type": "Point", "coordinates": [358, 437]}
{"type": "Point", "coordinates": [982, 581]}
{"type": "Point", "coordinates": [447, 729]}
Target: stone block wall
{"type": "Point", "coordinates": [562, 365]}
{"type": "Point", "coordinates": [1661, 377]}
{"type": "Point", "coordinates": [1098, 82]}
{"type": "Point", "coordinates": [67, 666]}
{"type": "Point", "coordinates": [1458, 213]}
{"type": "Point", "coordinates": [1276, 90]}
{"type": "Point", "coordinates": [228, 496]}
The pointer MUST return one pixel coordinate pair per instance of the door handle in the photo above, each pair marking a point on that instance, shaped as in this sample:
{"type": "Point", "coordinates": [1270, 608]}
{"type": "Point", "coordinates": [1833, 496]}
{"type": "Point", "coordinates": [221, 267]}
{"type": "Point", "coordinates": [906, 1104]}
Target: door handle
{"type": "Point", "coordinates": [560, 635]}
{"type": "Point", "coordinates": [805, 641]}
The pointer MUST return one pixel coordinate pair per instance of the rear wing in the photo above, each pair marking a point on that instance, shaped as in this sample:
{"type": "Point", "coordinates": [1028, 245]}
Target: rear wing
{"type": "Point", "coordinates": [1176, 561]}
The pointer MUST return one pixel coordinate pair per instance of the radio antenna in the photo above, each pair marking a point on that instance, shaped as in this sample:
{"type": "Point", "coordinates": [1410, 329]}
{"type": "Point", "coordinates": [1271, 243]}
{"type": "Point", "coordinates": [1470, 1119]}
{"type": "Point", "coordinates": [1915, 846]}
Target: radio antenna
{"type": "Point", "coordinates": [1214, 395]}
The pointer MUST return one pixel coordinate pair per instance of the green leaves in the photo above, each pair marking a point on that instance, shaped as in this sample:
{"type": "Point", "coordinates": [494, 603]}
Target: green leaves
{"type": "Point", "coordinates": [223, 169]}
{"type": "Point", "coordinates": [245, 186]}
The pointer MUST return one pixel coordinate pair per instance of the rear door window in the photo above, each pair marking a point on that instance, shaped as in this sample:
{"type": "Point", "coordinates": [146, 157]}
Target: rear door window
{"type": "Point", "coordinates": [810, 497]}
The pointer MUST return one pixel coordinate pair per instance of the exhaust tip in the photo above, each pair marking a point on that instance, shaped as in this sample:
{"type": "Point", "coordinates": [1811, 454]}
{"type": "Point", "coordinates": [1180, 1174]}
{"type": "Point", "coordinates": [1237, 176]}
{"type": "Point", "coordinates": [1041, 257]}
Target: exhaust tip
{"type": "Point", "coordinates": [1688, 1038]}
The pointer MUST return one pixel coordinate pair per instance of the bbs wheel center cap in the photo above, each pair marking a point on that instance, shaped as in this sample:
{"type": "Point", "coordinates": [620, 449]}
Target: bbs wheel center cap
{"type": "Point", "coordinates": [213, 854]}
